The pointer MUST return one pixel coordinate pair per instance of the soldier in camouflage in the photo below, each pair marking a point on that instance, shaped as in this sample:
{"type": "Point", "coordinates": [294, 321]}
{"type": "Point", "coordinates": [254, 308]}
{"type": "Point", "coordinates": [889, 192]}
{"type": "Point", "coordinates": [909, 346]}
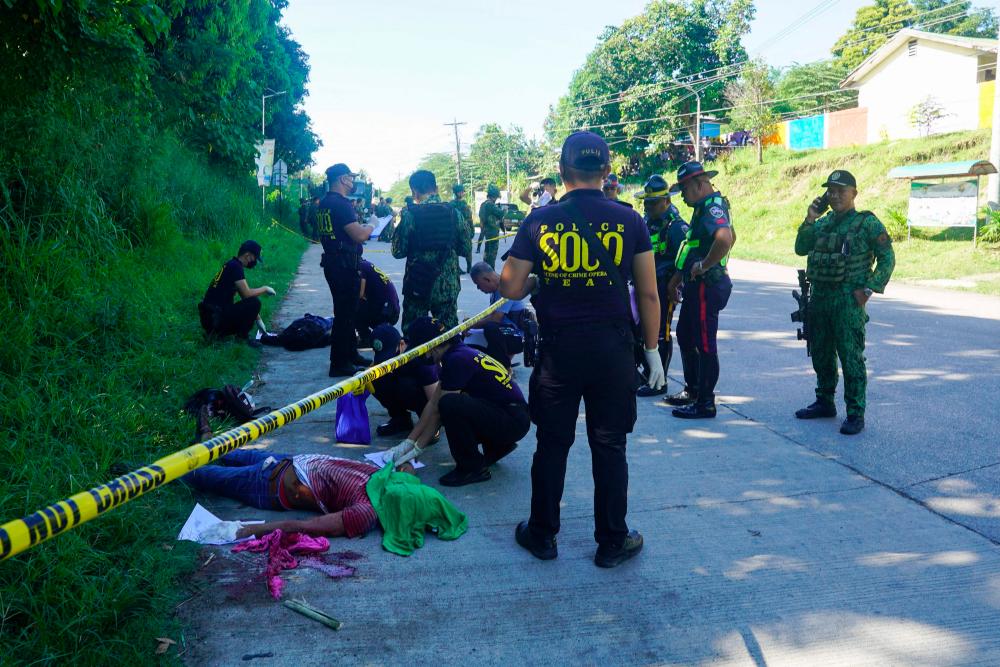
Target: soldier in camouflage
{"type": "Point", "coordinates": [841, 247]}
{"type": "Point", "coordinates": [491, 222]}
{"type": "Point", "coordinates": [431, 236]}
{"type": "Point", "coordinates": [463, 207]}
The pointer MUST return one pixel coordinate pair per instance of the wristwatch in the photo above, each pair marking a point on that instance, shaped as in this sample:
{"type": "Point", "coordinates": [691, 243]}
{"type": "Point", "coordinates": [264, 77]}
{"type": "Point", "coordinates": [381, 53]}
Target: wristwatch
{"type": "Point", "coordinates": [868, 292]}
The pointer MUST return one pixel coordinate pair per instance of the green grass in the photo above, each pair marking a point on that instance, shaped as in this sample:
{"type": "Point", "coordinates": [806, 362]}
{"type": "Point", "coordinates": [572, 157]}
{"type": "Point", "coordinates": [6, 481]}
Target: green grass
{"type": "Point", "coordinates": [769, 203]}
{"type": "Point", "coordinates": [108, 238]}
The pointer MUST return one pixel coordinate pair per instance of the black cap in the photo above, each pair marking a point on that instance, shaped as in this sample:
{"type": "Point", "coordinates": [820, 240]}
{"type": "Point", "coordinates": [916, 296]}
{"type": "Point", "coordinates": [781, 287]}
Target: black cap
{"type": "Point", "coordinates": [252, 247]}
{"type": "Point", "coordinates": [841, 177]}
{"type": "Point", "coordinates": [585, 151]}
{"type": "Point", "coordinates": [422, 330]}
{"type": "Point", "coordinates": [385, 342]}
{"type": "Point", "coordinates": [338, 170]}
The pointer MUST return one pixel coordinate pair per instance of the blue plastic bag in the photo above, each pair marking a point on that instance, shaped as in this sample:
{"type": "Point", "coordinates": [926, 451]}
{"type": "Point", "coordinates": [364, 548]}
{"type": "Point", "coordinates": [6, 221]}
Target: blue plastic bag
{"type": "Point", "coordinates": [352, 419]}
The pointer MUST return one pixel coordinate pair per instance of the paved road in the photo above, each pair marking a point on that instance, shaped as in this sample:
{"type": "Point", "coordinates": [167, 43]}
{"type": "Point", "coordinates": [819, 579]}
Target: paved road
{"type": "Point", "coordinates": [768, 541]}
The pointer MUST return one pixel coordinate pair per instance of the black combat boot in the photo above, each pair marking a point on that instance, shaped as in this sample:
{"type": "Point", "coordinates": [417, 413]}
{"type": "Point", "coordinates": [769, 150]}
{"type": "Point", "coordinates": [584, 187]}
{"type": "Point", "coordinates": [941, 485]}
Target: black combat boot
{"type": "Point", "coordinates": [816, 410]}
{"type": "Point", "coordinates": [395, 426]}
{"type": "Point", "coordinates": [696, 410]}
{"type": "Point", "coordinates": [853, 425]}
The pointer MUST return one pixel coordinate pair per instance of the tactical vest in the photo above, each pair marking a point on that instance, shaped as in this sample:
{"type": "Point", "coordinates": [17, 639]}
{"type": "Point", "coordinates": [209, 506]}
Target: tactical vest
{"type": "Point", "coordinates": [841, 258]}
{"type": "Point", "coordinates": [698, 238]}
{"type": "Point", "coordinates": [433, 227]}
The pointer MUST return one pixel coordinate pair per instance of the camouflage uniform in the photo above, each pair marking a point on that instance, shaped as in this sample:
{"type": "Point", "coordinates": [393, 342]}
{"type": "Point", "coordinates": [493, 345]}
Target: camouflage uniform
{"type": "Point", "coordinates": [491, 221]}
{"type": "Point", "coordinates": [443, 303]}
{"type": "Point", "coordinates": [465, 211]}
{"type": "Point", "coordinates": [841, 250]}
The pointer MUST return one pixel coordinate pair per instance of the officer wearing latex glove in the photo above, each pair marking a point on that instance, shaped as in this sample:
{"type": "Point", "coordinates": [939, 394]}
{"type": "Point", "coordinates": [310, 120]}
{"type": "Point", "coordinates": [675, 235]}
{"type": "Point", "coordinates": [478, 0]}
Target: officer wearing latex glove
{"type": "Point", "coordinates": [657, 378]}
{"type": "Point", "coordinates": [399, 451]}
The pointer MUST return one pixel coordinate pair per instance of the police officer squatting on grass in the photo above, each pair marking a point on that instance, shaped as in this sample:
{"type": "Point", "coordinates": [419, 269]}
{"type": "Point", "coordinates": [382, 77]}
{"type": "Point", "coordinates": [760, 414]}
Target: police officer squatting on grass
{"type": "Point", "coordinates": [477, 402]}
{"type": "Point", "coordinates": [667, 231]}
{"type": "Point", "coordinates": [584, 250]}
{"type": "Point", "coordinates": [491, 225]}
{"type": "Point", "coordinates": [342, 236]}
{"type": "Point", "coordinates": [841, 248]}
{"type": "Point", "coordinates": [220, 315]}
{"type": "Point", "coordinates": [463, 207]}
{"type": "Point", "coordinates": [701, 268]}
{"type": "Point", "coordinates": [431, 236]}
{"type": "Point", "coordinates": [405, 390]}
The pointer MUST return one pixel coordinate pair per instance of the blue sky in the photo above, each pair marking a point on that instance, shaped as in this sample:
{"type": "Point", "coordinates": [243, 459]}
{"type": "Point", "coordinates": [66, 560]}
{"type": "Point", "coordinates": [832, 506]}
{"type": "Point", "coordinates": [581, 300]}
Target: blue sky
{"type": "Point", "coordinates": [386, 75]}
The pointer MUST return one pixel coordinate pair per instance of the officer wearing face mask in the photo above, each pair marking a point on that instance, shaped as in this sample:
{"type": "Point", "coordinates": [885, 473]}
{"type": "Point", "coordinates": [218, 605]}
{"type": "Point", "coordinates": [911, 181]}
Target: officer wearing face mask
{"type": "Point", "coordinates": [220, 316]}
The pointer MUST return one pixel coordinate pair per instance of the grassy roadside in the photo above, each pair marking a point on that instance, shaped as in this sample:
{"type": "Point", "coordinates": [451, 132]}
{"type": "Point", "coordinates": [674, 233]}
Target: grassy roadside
{"type": "Point", "coordinates": [769, 202]}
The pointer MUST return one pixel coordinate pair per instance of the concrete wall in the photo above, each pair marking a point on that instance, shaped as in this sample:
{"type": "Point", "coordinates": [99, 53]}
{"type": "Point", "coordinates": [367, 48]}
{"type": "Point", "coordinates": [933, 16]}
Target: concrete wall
{"type": "Point", "coordinates": [847, 128]}
{"type": "Point", "coordinates": [807, 133]}
{"type": "Point", "coordinates": [943, 72]}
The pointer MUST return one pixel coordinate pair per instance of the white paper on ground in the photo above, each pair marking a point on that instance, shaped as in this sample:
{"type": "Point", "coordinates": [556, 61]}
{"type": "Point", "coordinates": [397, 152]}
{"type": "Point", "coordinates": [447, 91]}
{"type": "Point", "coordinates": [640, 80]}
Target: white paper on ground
{"type": "Point", "coordinates": [378, 458]}
{"type": "Point", "coordinates": [204, 527]}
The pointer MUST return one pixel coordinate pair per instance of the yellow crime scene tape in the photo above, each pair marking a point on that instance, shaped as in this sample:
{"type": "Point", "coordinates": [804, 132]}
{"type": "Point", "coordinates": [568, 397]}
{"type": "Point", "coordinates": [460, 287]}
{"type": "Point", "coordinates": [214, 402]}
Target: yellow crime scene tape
{"type": "Point", "coordinates": [22, 534]}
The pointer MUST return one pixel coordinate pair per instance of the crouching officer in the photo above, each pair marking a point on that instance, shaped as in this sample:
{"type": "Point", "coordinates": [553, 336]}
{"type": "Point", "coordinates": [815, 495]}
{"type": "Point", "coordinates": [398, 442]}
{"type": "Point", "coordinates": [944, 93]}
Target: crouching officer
{"type": "Point", "coordinates": [667, 231]}
{"type": "Point", "coordinates": [465, 210]}
{"type": "Point", "coordinates": [379, 301]}
{"type": "Point", "coordinates": [407, 389]}
{"type": "Point", "coordinates": [841, 247]}
{"type": "Point", "coordinates": [701, 266]}
{"type": "Point", "coordinates": [220, 316]}
{"type": "Point", "coordinates": [342, 236]}
{"type": "Point", "coordinates": [431, 236]}
{"type": "Point", "coordinates": [477, 402]}
{"type": "Point", "coordinates": [587, 343]}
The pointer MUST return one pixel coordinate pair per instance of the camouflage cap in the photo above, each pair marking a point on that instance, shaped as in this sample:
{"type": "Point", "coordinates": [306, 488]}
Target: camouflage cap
{"type": "Point", "coordinates": [492, 191]}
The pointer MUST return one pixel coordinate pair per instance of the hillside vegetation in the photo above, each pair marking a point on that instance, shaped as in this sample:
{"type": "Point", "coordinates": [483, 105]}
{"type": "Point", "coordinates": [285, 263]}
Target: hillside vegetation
{"type": "Point", "coordinates": [769, 203]}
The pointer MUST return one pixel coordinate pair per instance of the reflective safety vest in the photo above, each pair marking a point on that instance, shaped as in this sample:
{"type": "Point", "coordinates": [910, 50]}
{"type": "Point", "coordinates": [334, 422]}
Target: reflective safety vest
{"type": "Point", "coordinates": [703, 241]}
{"type": "Point", "coordinates": [840, 257]}
{"type": "Point", "coordinates": [433, 226]}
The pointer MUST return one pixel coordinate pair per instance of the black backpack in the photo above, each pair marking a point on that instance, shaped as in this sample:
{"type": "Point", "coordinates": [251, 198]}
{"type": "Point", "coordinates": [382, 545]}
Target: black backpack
{"type": "Point", "coordinates": [306, 333]}
{"type": "Point", "coordinates": [230, 401]}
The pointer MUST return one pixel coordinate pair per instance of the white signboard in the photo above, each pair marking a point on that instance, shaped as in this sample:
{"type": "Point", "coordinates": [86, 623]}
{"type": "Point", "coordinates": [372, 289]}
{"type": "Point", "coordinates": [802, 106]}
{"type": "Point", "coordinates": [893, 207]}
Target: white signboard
{"type": "Point", "coordinates": [280, 175]}
{"type": "Point", "coordinates": [948, 204]}
{"type": "Point", "coordinates": [265, 161]}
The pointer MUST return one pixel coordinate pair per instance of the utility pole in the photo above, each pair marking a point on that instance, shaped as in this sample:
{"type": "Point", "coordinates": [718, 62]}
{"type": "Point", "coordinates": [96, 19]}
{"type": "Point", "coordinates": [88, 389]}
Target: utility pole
{"type": "Point", "coordinates": [508, 175]}
{"type": "Point", "coordinates": [263, 136]}
{"type": "Point", "coordinates": [697, 119]}
{"type": "Point", "coordinates": [993, 184]}
{"type": "Point", "coordinates": [458, 147]}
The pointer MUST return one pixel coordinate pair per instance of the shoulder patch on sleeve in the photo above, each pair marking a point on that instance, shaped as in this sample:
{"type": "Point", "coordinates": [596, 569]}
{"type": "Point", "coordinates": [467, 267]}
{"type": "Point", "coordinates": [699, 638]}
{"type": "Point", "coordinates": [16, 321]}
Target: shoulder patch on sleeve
{"type": "Point", "coordinates": [883, 239]}
{"type": "Point", "coordinates": [716, 212]}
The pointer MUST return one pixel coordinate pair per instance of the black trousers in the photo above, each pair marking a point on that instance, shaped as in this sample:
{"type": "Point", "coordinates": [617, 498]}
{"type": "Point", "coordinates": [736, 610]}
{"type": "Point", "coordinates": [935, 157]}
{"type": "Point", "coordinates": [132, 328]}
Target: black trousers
{"type": "Point", "coordinates": [596, 364]}
{"type": "Point", "coordinates": [345, 287]}
{"type": "Point", "coordinates": [697, 333]}
{"type": "Point", "coordinates": [235, 319]}
{"type": "Point", "coordinates": [400, 395]}
{"type": "Point", "coordinates": [371, 314]}
{"type": "Point", "coordinates": [469, 421]}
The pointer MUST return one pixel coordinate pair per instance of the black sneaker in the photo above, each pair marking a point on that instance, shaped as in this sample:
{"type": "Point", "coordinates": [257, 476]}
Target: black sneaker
{"type": "Point", "coordinates": [616, 554]}
{"type": "Point", "coordinates": [695, 411]}
{"type": "Point", "coordinates": [542, 549]}
{"type": "Point", "coordinates": [646, 391]}
{"type": "Point", "coordinates": [395, 427]}
{"type": "Point", "coordinates": [343, 370]}
{"type": "Point", "coordinates": [816, 410]}
{"type": "Point", "coordinates": [853, 425]}
{"type": "Point", "coordinates": [683, 397]}
{"type": "Point", "coordinates": [462, 477]}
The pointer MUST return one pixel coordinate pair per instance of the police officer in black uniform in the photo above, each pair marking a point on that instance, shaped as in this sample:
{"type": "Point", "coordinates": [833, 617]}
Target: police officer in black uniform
{"type": "Point", "coordinates": [585, 326]}
{"type": "Point", "coordinates": [342, 236]}
{"type": "Point", "coordinates": [701, 267]}
{"type": "Point", "coordinates": [220, 315]}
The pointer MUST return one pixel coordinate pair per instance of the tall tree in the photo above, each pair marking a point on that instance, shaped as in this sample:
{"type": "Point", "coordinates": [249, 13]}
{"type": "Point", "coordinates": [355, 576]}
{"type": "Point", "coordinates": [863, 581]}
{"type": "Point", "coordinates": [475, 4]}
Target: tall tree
{"type": "Point", "coordinates": [627, 88]}
{"type": "Point", "coordinates": [813, 87]}
{"type": "Point", "coordinates": [956, 18]}
{"type": "Point", "coordinates": [488, 156]}
{"type": "Point", "coordinates": [751, 95]}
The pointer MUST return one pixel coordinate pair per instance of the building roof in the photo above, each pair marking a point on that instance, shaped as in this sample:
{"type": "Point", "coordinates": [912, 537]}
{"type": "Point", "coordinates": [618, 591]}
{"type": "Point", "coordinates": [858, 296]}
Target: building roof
{"type": "Point", "coordinates": [944, 169]}
{"type": "Point", "coordinates": [899, 40]}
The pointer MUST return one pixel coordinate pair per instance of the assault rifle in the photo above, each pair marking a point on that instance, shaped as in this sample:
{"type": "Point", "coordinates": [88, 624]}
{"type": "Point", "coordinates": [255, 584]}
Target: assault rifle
{"type": "Point", "coordinates": [801, 315]}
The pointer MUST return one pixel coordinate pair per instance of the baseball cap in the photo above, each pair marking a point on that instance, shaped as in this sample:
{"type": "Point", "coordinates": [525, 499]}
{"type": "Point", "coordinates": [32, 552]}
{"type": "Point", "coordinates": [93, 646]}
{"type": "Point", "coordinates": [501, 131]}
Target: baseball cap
{"type": "Point", "coordinates": [655, 188]}
{"type": "Point", "coordinates": [422, 330]}
{"type": "Point", "coordinates": [338, 170]}
{"type": "Point", "coordinates": [688, 171]}
{"type": "Point", "coordinates": [251, 246]}
{"type": "Point", "coordinates": [585, 151]}
{"type": "Point", "coordinates": [458, 187]}
{"type": "Point", "coordinates": [385, 342]}
{"type": "Point", "coordinates": [841, 177]}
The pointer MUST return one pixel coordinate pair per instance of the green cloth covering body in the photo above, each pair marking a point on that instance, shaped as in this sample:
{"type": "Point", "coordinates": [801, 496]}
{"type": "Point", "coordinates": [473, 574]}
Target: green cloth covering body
{"type": "Point", "coordinates": [406, 509]}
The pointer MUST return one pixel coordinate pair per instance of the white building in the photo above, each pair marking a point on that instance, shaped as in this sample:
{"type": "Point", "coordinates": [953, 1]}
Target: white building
{"type": "Point", "coordinates": [955, 73]}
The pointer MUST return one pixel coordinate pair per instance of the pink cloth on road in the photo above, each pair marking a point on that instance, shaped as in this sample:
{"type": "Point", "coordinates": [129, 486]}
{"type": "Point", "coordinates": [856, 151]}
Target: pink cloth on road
{"type": "Point", "coordinates": [281, 548]}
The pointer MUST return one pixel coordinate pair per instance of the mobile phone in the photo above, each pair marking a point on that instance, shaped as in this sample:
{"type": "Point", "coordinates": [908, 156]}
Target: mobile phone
{"type": "Point", "coordinates": [822, 204]}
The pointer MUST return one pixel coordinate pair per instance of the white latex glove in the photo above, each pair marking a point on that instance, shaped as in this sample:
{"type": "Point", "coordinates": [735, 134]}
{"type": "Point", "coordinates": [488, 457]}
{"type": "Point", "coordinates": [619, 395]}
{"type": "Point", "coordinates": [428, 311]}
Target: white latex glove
{"type": "Point", "coordinates": [408, 456]}
{"type": "Point", "coordinates": [268, 290]}
{"type": "Point", "coordinates": [399, 450]}
{"type": "Point", "coordinates": [655, 365]}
